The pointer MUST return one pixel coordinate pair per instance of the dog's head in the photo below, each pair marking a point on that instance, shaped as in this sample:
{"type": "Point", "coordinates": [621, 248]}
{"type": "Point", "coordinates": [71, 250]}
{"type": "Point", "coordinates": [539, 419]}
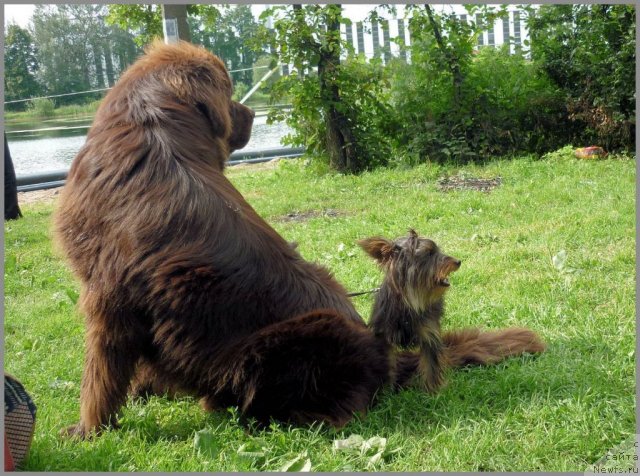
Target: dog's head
{"type": "Point", "coordinates": [414, 267]}
{"type": "Point", "coordinates": [172, 80]}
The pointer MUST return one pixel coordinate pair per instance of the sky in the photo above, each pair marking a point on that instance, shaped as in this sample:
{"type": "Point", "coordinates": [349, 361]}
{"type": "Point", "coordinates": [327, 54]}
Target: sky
{"type": "Point", "coordinates": [21, 14]}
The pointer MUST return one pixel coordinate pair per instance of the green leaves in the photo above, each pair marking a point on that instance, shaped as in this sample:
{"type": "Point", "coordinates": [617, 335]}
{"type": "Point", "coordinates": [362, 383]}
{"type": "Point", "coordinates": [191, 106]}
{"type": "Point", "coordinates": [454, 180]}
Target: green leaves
{"type": "Point", "coordinates": [300, 463]}
{"type": "Point", "coordinates": [350, 98]}
{"type": "Point", "coordinates": [256, 453]}
{"type": "Point", "coordinates": [587, 51]}
{"type": "Point", "coordinates": [559, 260]}
{"type": "Point", "coordinates": [254, 450]}
{"type": "Point", "coordinates": [374, 450]}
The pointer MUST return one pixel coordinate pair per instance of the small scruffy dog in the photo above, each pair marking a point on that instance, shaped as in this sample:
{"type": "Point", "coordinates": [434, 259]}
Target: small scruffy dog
{"type": "Point", "coordinates": [410, 305]}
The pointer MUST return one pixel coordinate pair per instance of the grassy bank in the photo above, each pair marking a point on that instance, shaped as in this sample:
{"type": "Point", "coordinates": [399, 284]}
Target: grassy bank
{"type": "Point", "coordinates": [45, 109]}
{"type": "Point", "coordinates": [557, 412]}
{"type": "Point", "coordinates": [45, 112]}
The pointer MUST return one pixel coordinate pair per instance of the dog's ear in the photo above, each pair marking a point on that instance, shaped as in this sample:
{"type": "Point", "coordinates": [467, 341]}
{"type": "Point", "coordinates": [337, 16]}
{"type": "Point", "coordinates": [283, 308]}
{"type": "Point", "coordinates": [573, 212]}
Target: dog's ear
{"type": "Point", "coordinates": [413, 239]}
{"type": "Point", "coordinates": [380, 249]}
{"type": "Point", "coordinates": [242, 120]}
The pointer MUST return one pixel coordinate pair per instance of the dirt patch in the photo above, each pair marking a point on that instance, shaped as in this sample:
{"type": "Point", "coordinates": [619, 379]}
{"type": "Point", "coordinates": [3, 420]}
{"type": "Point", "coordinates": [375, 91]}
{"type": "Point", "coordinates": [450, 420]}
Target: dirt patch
{"type": "Point", "coordinates": [308, 215]}
{"type": "Point", "coordinates": [25, 198]}
{"type": "Point", "coordinates": [468, 183]}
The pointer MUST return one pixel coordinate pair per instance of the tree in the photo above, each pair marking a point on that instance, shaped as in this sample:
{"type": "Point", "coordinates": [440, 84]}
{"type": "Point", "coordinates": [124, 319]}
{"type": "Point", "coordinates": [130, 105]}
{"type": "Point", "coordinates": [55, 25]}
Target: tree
{"type": "Point", "coordinates": [246, 29]}
{"type": "Point", "coordinates": [144, 21]}
{"type": "Point", "coordinates": [231, 35]}
{"type": "Point", "coordinates": [226, 31]}
{"type": "Point", "coordinates": [77, 50]}
{"type": "Point", "coordinates": [62, 51]}
{"type": "Point", "coordinates": [455, 103]}
{"type": "Point", "coordinates": [589, 51]}
{"type": "Point", "coordinates": [21, 65]}
{"type": "Point", "coordinates": [332, 102]}
{"type": "Point", "coordinates": [340, 142]}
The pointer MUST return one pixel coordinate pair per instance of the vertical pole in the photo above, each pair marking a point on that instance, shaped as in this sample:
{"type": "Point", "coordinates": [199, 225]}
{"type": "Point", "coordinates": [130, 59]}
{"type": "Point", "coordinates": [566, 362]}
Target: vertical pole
{"type": "Point", "coordinates": [403, 49]}
{"type": "Point", "coordinates": [387, 41]}
{"type": "Point", "coordinates": [481, 30]}
{"type": "Point", "coordinates": [505, 33]}
{"type": "Point", "coordinates": [360, 33]}
{"type": "Point", "coordinates": [376, 38]}
{"type": "Point", "coordinates": [174, 23]}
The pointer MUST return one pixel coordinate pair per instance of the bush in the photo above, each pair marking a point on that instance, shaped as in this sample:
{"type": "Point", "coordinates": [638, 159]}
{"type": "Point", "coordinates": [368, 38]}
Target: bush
{"type": "Point", "coordinates": [364, 92]}
{"type": "Point", "coordinates": [262, 67]}
{"type": "Point", "coordinates": [239, 90]}
{"type": "Point", "coordinates": [506, 105]}
{"type": "Point", "coordinates": [42, 107]}
{"type": "Point", "coordinates": [589, 52]}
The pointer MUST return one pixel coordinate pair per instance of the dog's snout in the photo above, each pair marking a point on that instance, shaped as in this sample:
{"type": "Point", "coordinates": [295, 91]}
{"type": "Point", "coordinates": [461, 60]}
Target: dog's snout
{"type": "Point", "coordinates": [457, 262]}
{"type": "Point", "coordinates": [253, 113]}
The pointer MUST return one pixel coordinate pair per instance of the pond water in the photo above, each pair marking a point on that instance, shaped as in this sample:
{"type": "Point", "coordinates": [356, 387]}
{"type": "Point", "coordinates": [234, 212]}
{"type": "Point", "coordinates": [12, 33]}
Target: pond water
{"type": "Point", "coordinates": [57, 142]}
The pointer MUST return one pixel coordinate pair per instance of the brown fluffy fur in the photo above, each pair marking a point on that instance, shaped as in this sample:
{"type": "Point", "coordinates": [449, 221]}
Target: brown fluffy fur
{"type": "Point", "coordinates": [409, 307]}
{"type": "Point", "coordinates": [184, 287]}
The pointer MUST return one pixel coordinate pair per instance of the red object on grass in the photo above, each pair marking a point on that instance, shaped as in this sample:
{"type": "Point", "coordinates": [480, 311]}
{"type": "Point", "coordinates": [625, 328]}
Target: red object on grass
{"type": "Point", "coordinates": [593, 152]}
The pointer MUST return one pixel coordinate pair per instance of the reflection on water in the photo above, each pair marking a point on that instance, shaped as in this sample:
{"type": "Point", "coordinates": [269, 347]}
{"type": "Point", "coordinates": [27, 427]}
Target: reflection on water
{"type": "Point", "coordinates": [47, 153]}
{"type": "Point", "coordinates": [55, 147]}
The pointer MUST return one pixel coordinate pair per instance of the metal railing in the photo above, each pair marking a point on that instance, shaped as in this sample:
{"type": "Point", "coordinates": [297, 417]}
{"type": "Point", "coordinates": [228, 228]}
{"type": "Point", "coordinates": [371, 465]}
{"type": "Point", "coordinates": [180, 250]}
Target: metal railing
{"type": "Point", "coordinates": [57, 178]}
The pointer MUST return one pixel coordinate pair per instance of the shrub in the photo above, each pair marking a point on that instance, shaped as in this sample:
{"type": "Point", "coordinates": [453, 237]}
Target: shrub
{"type": "Point", "coordinates": [364, 91]}
{"type": "Point", "coordinates": [589, 52]}
{"type": "Point", "coordinates": [42, 107]}
{"type": "Point", "coordinates": [506, 104]}
{"type": "Point", "coordinates": [239, 90]}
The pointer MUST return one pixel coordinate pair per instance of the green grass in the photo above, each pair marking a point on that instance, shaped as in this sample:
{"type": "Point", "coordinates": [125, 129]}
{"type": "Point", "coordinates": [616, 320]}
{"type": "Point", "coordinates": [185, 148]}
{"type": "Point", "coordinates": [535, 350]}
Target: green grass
{"type": "Point", "coordinates": [560, 411]}
{"type": "Point", "coordinates": [59, 112]}
{"type": "Point", "coordinates": [258, 99]}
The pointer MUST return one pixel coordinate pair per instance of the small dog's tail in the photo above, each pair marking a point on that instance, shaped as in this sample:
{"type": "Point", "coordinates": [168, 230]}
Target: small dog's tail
{"type": "Point", "coordinates": [473, 346]}
{"type": "Point", "coordinates": [315, 367]}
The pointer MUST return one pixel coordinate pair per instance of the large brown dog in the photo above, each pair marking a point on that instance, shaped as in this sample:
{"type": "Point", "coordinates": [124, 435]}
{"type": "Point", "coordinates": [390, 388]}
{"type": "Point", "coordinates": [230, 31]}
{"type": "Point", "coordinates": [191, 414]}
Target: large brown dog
{"type": "Point", "coordinates": [184, 287]}
{"type": "Point", "coordinates": [183, 284]}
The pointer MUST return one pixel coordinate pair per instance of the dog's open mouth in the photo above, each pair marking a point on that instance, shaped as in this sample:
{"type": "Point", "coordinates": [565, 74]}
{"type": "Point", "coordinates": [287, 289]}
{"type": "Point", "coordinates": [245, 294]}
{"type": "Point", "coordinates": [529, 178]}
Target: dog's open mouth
{"type": "Point", "coordinates": [443, 280]}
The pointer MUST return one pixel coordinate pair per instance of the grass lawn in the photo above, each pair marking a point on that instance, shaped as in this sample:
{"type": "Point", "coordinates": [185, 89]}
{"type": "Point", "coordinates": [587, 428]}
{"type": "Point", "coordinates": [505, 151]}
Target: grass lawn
{"type": "Point", "coordinates": [560, 411]}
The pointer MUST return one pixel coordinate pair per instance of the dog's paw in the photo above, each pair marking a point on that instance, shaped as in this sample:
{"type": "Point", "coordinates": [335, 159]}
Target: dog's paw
{"type": "Point", "coordinates": [209, 404]}
{"type": "Point", "coordinates": [76, 432]}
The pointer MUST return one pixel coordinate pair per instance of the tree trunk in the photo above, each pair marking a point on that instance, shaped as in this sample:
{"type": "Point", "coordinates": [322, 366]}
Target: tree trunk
{"type": "Point", "coordinates": [340, 141]}
{"type": "Point", "coordinates": [108, 61]}
{"type": "Point", "coordinates": [179, 14]}
{"type": "Point", "coordinates": [454, 64]}
{"type": "Point", "coordinates": [11, 208]}
{"type": "Point", "coordinates": [97, 61]}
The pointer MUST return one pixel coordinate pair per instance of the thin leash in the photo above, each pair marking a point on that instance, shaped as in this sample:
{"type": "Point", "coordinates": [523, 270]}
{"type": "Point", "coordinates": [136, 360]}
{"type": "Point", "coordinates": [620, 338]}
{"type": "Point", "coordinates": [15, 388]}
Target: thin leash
{"type": "Point", "coordinates": [363, 292]}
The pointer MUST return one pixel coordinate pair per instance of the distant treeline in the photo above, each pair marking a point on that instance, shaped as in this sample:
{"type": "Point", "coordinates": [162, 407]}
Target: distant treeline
{"type": "Point", "coordinates": [75, 48]}
{"type": "Point", "coordinates": [445, 96]}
